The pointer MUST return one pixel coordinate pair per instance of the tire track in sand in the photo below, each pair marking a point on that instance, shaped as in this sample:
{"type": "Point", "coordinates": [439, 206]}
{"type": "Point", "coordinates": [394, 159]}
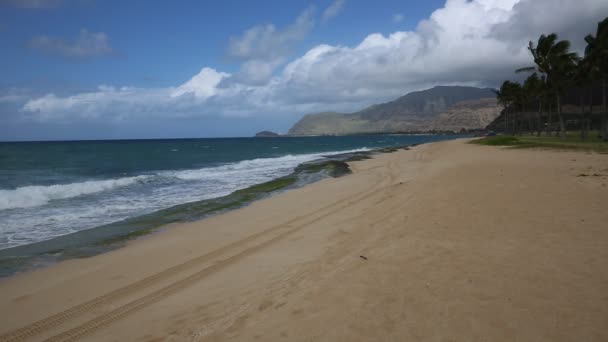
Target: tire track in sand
{"type": "Point", "coordinates": [94, 324]}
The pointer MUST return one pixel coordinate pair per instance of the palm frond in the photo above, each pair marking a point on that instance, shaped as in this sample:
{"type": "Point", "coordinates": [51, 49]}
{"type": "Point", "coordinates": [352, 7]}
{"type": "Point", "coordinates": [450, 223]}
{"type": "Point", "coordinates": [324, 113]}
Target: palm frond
{"type": "Point", "coordinates": [526, 69]}
{"type": "Point", "coordinates": [561, 47]}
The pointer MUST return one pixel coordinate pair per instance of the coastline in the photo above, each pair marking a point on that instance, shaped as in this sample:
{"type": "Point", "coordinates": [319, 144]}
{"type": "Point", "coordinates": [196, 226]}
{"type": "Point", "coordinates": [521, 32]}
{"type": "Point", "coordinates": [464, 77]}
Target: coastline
{"type": "Point", "coordinates": [462, 241]}
{"type": "Point", "coordinates": [104, 238]}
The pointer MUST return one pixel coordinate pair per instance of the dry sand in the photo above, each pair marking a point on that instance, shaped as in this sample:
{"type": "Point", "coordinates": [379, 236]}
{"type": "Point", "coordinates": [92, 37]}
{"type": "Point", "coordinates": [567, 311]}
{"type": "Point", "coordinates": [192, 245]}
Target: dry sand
{"type": "Point", "coordinates": [463, 243]}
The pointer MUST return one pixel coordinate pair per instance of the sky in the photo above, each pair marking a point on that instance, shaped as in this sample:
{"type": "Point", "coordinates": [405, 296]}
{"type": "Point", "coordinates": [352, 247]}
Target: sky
{"type": "Point", "coordinates": [104, 69]}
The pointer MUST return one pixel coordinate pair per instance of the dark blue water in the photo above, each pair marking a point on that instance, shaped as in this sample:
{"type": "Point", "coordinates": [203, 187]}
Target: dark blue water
{"type": "Point", "coordinates": [50, 189]}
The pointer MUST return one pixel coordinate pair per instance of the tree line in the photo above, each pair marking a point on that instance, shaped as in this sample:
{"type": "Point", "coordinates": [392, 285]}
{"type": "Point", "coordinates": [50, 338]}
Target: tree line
{"type": "Point", "coordinates": [559, 77]}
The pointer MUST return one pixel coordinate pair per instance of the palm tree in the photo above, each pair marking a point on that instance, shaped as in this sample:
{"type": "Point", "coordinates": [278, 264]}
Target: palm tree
{"type": "Point", "coordinates": [583, 79]}
{"type": "Point", "coordinates": [555, 63]}
{"type": "Point", "coordinates": [596, 53]}
{"type": "Point", "coordinates": [509, 96]}
{"type": "Point", "coordinates": [534, 88]}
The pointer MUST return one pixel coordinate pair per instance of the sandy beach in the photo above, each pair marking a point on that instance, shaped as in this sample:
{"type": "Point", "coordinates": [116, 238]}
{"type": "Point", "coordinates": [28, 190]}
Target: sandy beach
{"type": "Point", "coordinates": [445, 242]}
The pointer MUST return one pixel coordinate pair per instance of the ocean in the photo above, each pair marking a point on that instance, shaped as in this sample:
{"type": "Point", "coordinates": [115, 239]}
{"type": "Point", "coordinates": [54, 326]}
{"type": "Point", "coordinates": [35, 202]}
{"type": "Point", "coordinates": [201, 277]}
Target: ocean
{"type": "Point", "coordinates": [61, 199]}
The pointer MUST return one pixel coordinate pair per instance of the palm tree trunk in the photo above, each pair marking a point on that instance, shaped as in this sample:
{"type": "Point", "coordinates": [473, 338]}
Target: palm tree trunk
{"type": "Point", "coordinates": [549, 120]}
{"type": "Point", "coordinates": [539, 117]}
{"type": "Point", "coordinates": [605, 118]}
{"type": "Point", "coordinates": [509, 123]}
{"type": "Point", "coordinates": [512, 123]}
{"type": "Point", "coordinates": [562, 127]}
{"type": "Point", "coordinates": [589, 117]}
{"type": "Point", "coordinates": [526, 122]}
{"type": "Point", "coordinates": [519, 126]}
{"type": "Point", "coordinates": [581, 101]}
{"type": "Point", "coordinates": [517, 121]}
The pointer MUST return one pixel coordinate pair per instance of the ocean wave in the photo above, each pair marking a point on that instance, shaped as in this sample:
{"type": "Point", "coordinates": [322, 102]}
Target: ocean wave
{"type": "Point", "coordinates": [37, 195]}
{"type": "Point", "coordinates": [218, 180]}
{"type": "Point", "coordinates": [278, 166]}
{"type": "Point", "coordinates": [244, 168]}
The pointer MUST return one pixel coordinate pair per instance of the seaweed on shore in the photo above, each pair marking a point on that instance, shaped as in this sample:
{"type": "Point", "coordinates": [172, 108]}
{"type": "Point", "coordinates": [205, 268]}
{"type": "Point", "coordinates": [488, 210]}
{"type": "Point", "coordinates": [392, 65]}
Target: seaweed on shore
{"type": "Point", "coordinates": [107, 237]}
{"type": "Point", "coordinates": [334, 168]}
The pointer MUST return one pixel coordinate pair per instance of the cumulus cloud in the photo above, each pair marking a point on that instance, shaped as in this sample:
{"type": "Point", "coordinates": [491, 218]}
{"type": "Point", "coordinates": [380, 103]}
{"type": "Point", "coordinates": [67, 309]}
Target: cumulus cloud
{"type": "Point", "coordinates": [473, 42]}
{"type": "Point", "coordinates": [108, 103]}
{"type": "Point", "coordinates": [12, 95]}
{"type": "Point", "coordinates": [333, 10]}
{"type": "Point", "coordinates": [397, 18]}
{"type": "Point", "coordinates": [86, 45]}
{"type": "Point", "coordinates": [571, 19]}
{"type": "Point", "coordinates": [267, 41]}
{"type": "Point", "coordinates": [255, 72]}
{"type": "Point", "coordinates": [202, 85]}
{"type": "Point", "coordinates": [263, 48]}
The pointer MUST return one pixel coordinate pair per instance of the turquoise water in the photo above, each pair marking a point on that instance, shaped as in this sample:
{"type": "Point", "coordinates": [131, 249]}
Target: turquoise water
{"type": "Point", "coordinates": [52, 193]}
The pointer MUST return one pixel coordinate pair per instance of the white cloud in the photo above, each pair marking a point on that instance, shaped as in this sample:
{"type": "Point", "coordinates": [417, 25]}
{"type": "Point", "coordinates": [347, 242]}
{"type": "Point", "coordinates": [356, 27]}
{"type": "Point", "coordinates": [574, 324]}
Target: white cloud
{"type": "Point", "coordinates": [333, 10]}
{"type": "Point", "coordinates": [87, 45]}
{"type": "Point", "coordinates": [397, 18]}
{"type": "Point", "coordinates": [202, 85]}
{"type": "Point", "coordinates": [12, 95]}
{"type": "Point", "coordinates": [263, 48]}
{"type": "Point", "coordinates": [255, 72]}
{"type": "Point", "coordinates": [267, 41]}
{"type": "Point", "coordinates": [465, 42]}
{"type": "Point", "coordinates": [572, 19]}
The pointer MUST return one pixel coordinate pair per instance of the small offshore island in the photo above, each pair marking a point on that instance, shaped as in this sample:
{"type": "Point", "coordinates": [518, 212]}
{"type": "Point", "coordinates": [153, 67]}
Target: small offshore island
{"type": "Point", "coordinates": [267, 134]}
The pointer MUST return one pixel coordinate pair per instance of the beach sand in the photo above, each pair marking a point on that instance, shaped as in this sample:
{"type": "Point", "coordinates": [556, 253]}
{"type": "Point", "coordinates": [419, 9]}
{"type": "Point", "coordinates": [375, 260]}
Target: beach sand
{"type": "Point", "coordinates": [445, 242]}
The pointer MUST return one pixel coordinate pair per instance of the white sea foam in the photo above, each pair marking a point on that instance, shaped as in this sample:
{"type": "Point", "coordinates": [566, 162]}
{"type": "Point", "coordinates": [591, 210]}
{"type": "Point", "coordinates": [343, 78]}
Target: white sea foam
{"type": "Point", "coordinates": [248, 169]}
{"type": "Point", "coordinates": [245, 168]}
{"type": "Point", "coordinates": [111, 200]}
{"type": "Point", "coordinates": [36, 195]}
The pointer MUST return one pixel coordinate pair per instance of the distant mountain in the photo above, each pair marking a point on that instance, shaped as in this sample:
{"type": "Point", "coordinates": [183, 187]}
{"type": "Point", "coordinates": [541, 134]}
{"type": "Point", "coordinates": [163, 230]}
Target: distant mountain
{"type": "Point", "coordinates": [444, 108]}
{"type": "Point", "coordinates": [267, 134]}
{"type": "Point", "coordinates": [471, 114]}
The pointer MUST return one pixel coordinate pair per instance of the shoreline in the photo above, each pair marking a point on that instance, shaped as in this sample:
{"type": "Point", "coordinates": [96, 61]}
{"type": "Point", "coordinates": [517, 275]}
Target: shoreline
{"type": "Point", "coordinates": [154, 175]}
{"type": "Point", "coordinates": [460, 241]}
{"type": "Point", "coordinates": [102, 239]}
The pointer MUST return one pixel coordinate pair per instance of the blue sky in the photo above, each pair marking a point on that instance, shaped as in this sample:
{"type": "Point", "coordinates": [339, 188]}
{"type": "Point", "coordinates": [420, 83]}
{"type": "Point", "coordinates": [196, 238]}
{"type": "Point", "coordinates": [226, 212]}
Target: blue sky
{"type": "Point", "coordinates": [164, 43]}
{"type": "Point", "coordinates": [86, 69]}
